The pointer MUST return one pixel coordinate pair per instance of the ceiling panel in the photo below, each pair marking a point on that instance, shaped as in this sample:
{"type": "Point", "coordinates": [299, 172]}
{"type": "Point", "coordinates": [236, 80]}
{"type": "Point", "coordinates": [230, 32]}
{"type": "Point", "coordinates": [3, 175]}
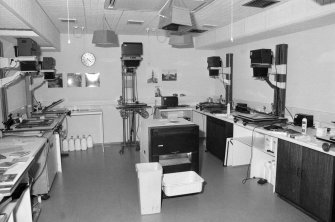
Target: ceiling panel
{"type": "Point", "coordinates": [219, 12]}
{"type": "Point", "coordinates": [90, 14]}
{"type": "Point", "coordinates": [10, 21]}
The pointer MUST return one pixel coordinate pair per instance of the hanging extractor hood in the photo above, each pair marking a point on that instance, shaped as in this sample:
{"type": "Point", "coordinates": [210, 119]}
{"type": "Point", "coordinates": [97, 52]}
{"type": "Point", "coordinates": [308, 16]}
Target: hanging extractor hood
{"type": "Point", "coordinates": [173, 17]}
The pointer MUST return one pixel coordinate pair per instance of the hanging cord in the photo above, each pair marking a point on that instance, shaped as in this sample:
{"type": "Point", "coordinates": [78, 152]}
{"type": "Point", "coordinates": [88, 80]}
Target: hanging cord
{"type": "Point", "coordinates": [247, 177]}
{"type": "Point", "coordinates": [231, 20]}
{"type": "Point", "coordinates": [68, 22]}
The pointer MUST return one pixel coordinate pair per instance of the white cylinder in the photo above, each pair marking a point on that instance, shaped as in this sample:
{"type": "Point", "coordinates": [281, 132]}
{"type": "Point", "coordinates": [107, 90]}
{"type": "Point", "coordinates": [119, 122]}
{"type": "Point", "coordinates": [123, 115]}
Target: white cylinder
{"type": "Point", "coordinates": [65, 145]}
{"type": "Point", "coordinates": [71, 144]}
{"type": "Point", "coordinates": [77, 144]}
{"type": "Point", "coordinates": [228, 109]}
{"type": "Point", "coordinates": [89, 141]}
{"type": "Point", "coordinates": [83, 143]}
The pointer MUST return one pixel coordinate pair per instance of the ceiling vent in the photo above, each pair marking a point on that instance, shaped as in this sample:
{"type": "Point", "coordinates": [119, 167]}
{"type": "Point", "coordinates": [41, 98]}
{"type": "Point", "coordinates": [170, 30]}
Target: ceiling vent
{"type": "Point", "coordinates": [260, 3]}
{"type": "Point", "coordinates": [67, 19]}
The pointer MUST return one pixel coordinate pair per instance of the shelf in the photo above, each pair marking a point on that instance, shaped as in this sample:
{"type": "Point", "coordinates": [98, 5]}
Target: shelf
{"type": "Point", "coordinates": [257, 143]}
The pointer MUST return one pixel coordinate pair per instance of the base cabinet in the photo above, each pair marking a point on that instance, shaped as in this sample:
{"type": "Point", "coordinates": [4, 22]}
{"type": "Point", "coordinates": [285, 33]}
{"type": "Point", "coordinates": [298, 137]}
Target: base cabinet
{"type": "Point", "coordinates": [217, 133]}
{"type": "Point", "coordinates": [305, 177]}
{"type": "Point", "coordinates": [45, 169]}
{"type": "Point", "coordinates": [200, 120]}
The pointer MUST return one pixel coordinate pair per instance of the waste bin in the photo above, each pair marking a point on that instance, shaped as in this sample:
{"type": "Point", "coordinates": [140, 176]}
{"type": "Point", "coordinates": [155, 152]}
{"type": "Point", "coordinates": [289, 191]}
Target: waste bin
{"type": "Point", "coordinates": [149, 187]}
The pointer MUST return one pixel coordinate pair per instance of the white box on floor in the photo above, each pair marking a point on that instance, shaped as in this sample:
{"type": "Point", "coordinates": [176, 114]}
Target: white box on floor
{"type": "Point", "coordinates": [182, 183]}
{"type": "Point", "coordinates": [149, 177]}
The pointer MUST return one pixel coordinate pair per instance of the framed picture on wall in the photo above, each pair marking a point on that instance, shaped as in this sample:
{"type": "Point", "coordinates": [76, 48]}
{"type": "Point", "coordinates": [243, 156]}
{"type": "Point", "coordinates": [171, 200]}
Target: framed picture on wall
{"type": "Point", "coordinates": [74, 80]}
{"type": "Point", "coordinates": [57, 82]}
{"type": "Point", "coordinates": [92, 79]}
{"type": "Point", "coordinates": [169, 75]}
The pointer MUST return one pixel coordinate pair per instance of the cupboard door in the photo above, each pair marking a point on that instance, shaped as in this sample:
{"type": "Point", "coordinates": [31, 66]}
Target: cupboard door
{"type": "Point", "coordinates": [211, 137]}
{"type": "Point", "coordinates": [288, 170]}
{"type": "Point", "coordinates": [217, 133]}
{"type": "Point", "coordinates": [317, 183]}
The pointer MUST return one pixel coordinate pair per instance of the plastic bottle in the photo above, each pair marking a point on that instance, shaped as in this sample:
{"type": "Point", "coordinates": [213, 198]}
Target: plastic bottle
{"type": "Point", "coordinates": [71, 144]}
{"type": "Point", "coordinates": [89, 141]}
{"type": "Point", "coordinates": [77, 144]}
{"type": "Point", "coordinates": [304, 126]}
{"type": "Point", "coordinates": [65, 145]}
{"type": "Point", "coordinates": [228, 109]}
{"type": "Point", "coordinates": [83, 143]}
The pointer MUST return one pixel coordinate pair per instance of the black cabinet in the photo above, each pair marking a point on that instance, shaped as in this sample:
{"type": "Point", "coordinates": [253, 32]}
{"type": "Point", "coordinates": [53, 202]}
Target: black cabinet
{"type": "Point", "coordinates": [175, 147]}
{"type": "Point", "coordinates": [217, 133]}
{"type": "Point", "coordinates": [305, 177]}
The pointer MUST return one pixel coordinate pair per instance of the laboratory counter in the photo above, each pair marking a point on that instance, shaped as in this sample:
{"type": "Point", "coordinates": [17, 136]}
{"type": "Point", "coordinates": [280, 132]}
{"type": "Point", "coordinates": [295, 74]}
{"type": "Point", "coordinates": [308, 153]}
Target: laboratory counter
{"type": "Point", "coordinates": [307, 140]}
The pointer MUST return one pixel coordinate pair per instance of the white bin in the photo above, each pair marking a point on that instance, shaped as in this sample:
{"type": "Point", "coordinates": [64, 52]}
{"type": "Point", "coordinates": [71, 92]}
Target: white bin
{"type": "Point", "coordinates": [181, 183]}
{"type": "Point", "coordinates": [149, 186]}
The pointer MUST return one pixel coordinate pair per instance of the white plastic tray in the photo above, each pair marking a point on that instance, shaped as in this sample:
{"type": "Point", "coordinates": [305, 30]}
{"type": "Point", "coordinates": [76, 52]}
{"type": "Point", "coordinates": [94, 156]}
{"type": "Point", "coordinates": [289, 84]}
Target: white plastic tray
{"type": "Point", "coordinates": [181, 183]}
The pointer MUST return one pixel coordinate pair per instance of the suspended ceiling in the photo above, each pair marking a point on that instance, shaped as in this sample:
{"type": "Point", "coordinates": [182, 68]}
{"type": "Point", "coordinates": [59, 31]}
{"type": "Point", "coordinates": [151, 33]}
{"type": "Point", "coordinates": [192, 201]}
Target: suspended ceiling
{"type": "Point", "coordinates": [89, 14]}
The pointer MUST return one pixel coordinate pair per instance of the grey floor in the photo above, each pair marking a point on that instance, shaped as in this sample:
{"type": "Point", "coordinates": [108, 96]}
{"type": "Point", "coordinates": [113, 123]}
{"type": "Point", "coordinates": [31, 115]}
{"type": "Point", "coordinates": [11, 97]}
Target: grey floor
{"type": "Point", "coordinates": [97, 186]}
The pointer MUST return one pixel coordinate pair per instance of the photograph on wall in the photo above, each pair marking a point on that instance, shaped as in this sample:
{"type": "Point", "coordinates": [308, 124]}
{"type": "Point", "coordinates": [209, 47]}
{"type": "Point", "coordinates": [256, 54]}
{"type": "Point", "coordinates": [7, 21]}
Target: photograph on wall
{"type": "Point", "coordinates": [74, 80]}
{"type": "Point", "coordinates": [169, 75]}
{"type": "Point", "coordinates": [92, 79]}
{"type": "Point", "coordinates": [152, 75]}
{"type": "Point", "coordinates": [57, 82]}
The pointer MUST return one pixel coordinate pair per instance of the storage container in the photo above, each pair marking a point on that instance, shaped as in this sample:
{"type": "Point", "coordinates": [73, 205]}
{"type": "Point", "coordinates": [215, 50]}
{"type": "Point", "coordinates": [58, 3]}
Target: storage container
{"type": "Point", "coordinates": [182, 183]}
{"type": "Point", "coordinates": [149, 187]}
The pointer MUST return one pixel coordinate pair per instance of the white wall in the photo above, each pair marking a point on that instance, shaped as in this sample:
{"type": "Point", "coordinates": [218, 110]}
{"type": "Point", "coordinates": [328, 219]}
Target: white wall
{"type": "Point", "coordinates": [191, 65]}
{"type": "Point", "coordinates": [310, 76]}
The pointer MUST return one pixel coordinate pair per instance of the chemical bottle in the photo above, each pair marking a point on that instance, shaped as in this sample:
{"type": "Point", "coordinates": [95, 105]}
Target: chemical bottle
{"type": "Point", "coordinates": [89, 141]}
{"type": "Point", "coordinates": [77, 144]}
{"type": "Point", "coordinates": [228, 109]}
{"type": "Point", "coordinates": [304, 126]}
{"type": "Point", "coordinates": [83, 143]}
{"type": "Point", "coordinates": [71, 144]}
{"type": "Point", "coordinates": [65, 145]}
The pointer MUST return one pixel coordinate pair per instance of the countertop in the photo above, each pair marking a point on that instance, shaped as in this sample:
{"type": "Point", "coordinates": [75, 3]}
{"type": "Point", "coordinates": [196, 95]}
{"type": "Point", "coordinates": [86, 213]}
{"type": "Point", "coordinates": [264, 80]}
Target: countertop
{"type": "Point", "coordinates": [11, 147]}
{"type": "Point", "coordinates": [307, 140]}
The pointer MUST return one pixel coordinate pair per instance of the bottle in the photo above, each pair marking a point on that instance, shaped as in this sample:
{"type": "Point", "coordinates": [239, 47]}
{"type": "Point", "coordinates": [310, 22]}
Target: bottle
{"type": "Point", "coordinates": [71, 144]}
{"type": "Point", "coordinates": [304, 126]}
{"type": "Point", "coordinates": [77, 144]}
{"type": "Point", "coordinates": [89, 141]}
{"type": "Point", "coordinates": [83, 143]}
{"type": "Point", "coordinates": [65, 145]}
{"type": "Point", "coordinates": [228, 109]}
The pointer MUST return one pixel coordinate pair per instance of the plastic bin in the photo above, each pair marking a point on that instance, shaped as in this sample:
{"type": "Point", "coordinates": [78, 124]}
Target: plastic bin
{"type": "Point", "coordinates": [181, 183]}
{"type": "Point", "coordinates": [149, 187]}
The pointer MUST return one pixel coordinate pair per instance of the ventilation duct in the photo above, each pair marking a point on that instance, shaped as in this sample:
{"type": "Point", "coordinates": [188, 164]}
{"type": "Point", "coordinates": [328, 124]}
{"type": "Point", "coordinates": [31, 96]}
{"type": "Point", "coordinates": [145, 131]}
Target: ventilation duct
{"type": "Point", "coordinates": [181, 41]}
{"type": "Point", "coordinates": [173, 17]}
{"type": "Point", "coordinates": [105, 38]}
{"type": "Point", "coordinates": [260, 3]}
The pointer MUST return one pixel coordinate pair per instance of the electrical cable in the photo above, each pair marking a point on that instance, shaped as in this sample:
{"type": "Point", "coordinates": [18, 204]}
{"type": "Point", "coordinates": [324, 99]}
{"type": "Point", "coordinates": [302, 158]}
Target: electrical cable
{"type": "Point", "coordinates": [247, 177]}
{"type": "Point", "coordinates": [289, 113]}
{"type": "Point", "coordinates": [68, 22]}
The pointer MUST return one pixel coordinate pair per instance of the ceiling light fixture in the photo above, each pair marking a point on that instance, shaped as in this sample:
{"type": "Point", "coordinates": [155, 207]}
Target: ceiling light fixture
{"type": "Point", "coordinates": [135, 22]}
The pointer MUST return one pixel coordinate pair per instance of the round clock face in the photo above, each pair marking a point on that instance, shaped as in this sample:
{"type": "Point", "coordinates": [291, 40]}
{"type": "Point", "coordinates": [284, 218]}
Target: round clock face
{"type": "Point", "coordinates": [88, 59]}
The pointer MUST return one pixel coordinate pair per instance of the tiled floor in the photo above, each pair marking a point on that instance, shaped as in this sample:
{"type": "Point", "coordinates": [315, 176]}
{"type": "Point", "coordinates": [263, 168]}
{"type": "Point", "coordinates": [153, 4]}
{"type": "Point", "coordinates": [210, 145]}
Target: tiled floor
{"type": "Point", "coordinates": [102, 187]}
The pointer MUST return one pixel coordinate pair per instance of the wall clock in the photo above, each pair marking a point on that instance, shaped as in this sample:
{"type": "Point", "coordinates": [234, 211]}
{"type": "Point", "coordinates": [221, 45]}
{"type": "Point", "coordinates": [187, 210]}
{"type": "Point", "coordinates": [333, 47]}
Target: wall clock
{"type": "Point", "coordinates": [88, 59]}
